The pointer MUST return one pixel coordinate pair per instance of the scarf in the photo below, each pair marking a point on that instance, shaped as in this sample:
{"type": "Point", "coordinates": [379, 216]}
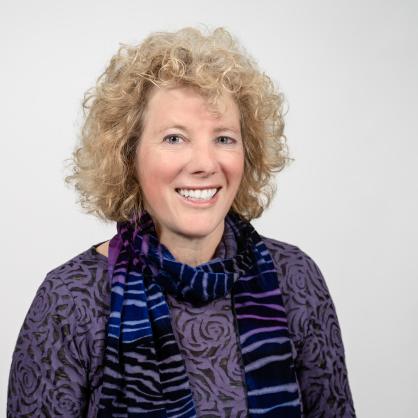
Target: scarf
{"type": "Point", "coordinates": [144, 372]}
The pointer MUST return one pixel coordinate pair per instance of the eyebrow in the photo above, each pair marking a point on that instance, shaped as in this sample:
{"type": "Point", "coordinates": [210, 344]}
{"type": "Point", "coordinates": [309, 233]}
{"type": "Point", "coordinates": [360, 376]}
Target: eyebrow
{"type": "Point", "coordinates": [216, 130]}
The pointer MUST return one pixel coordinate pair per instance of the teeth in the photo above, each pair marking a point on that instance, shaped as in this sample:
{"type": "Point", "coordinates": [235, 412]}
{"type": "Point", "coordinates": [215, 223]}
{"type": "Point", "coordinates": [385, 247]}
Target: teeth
{"type": "Point", "coordinates": [204, 194]}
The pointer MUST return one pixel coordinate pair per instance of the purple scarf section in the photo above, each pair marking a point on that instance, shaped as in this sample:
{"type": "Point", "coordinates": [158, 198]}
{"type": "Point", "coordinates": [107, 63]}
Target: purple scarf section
{"type": "Point", "coordinates": [145, 374]}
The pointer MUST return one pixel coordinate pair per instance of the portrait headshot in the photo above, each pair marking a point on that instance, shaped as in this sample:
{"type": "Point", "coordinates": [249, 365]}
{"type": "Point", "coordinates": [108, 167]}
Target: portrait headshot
{"type": "Point", "coordinates": [205, 207]}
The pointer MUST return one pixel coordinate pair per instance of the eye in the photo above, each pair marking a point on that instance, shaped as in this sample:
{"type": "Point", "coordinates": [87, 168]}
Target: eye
{"type": "Point", "coordinates": [225, 139]}
{"type": "Point", "coordinates": [169, 138]}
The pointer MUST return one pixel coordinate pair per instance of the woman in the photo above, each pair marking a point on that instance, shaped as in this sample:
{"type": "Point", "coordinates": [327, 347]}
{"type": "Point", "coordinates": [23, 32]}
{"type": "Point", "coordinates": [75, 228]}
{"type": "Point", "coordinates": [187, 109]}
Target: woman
{"type": "Point", "coordinates": [187, 311]}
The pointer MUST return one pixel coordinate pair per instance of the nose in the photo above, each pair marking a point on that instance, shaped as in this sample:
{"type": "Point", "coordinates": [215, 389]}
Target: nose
{"type": "Point", "coordinates": [203, 159]}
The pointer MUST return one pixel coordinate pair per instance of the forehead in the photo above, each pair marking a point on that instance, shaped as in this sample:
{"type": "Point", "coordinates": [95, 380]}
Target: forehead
{"type": "Point", "coordinates": [187, 102]}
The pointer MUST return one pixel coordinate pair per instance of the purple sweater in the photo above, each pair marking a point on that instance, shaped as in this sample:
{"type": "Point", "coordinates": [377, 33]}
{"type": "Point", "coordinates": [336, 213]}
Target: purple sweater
{"type": "Point", "coordinates": [57, 365]}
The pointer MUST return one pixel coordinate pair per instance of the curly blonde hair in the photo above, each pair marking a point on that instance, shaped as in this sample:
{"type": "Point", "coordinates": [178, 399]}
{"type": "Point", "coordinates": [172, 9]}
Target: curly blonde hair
{"type": "Point", "coordinates": [103, 170]}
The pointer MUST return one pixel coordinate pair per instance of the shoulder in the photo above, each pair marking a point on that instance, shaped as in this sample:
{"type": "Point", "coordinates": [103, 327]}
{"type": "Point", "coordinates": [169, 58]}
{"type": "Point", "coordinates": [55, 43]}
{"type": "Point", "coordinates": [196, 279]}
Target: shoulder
{"type": "Point", "coordinates": [283, 251]}
{"type": "Point", "coordinates": [304, 289]}
{"type": "Point", "coordinates": [291, 259]}
{"type": "Point", "coordinates": [84, 269]}
{"type": "Point", "coordinates": [79, 291]}
{"type": "Point", "coordinates": [60, 346]}
{"type": "Point", "coordinates": [82, 282]}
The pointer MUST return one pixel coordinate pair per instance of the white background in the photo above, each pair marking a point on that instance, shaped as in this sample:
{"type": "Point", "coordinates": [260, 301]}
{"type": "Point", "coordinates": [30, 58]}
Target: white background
{"type": "Point", "coordinates": [349, 71]}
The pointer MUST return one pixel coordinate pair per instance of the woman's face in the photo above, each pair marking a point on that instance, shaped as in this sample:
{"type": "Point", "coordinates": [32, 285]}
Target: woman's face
{"type": "Point", "coordinates": [185, 148]}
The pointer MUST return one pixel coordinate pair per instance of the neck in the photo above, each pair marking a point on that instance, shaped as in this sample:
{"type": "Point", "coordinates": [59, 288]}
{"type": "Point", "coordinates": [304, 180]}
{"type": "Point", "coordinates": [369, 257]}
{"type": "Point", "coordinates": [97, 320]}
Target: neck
{"type": "Point", "coordinates": [192, 251]}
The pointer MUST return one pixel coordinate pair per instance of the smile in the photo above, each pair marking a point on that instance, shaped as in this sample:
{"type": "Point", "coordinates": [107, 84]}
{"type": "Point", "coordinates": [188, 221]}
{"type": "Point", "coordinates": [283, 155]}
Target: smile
{"type": "Point", "coordinates": [198, 195]}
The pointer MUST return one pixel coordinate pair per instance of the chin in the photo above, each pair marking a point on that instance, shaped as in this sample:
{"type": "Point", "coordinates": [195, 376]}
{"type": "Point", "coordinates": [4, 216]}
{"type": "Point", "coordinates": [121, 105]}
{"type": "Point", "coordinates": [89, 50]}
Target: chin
{"type": "Point", "coordinates": [198, 228]}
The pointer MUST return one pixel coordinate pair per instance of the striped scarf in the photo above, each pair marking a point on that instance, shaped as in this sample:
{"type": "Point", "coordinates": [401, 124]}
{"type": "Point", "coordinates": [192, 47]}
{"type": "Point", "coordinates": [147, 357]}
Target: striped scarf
{"type": "Point", "coordinates": [145, 374]}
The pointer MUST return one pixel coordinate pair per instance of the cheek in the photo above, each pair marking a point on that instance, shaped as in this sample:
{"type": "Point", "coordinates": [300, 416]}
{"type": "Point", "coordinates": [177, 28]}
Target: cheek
{"type": "Point", "coordinates": [235, 166]}
{"type": "Point", "coordinates": [154, 170]}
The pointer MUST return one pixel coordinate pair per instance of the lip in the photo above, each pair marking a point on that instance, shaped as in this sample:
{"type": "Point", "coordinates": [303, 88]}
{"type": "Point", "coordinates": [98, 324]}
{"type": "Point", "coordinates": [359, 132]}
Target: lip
{"type": "Point", "coordinates": [199, 187]}
{"type": "Point", "coordinates": [199, 203]}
